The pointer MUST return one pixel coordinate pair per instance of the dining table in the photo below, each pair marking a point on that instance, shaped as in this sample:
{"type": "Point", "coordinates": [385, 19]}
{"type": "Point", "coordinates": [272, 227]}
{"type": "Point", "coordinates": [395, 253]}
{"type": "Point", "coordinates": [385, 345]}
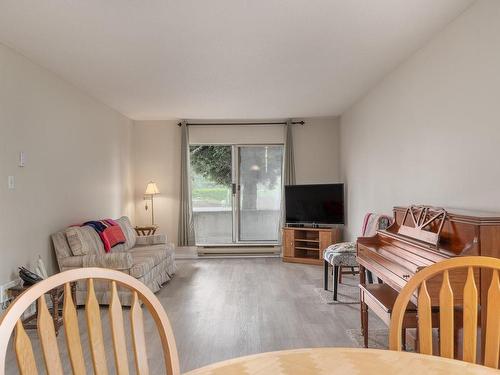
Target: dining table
{"type": "Point", "coordinates": [326, 361]}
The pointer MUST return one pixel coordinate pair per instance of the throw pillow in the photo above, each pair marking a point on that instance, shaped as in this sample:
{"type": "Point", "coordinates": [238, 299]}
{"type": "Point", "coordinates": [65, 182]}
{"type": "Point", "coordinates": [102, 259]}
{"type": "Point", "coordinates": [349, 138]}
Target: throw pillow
{"type": "Point", "coordinates": [112, 236]}
{"type": "Point", "coordinates": [128, 231]}
{"type": "Point", "coordinates": [83, 241]}
{"type": "Point", "coordinates": [76, 242]}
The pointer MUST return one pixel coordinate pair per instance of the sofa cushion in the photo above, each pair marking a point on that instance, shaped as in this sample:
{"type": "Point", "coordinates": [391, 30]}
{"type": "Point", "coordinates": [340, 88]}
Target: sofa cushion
{"type": "Point", "coordinates": [145, 258]}
{"type": "Point", "coordinates": [84, 240]}
{"type": "Point", "coordinates": [141, 265]}
{"type": "Point", "coordinates": [116, 261]}
{"type": "Point", "coordinates": [158, 252]}
{"type": "Point", "coordinates": [119, 248]}
{"type": "Point", "coordinates": [128, 231]}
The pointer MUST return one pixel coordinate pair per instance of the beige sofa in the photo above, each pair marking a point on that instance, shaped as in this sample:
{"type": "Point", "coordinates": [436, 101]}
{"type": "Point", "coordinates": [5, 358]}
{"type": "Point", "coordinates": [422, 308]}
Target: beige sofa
{"type": "Point", "coordinates": [149, 259]}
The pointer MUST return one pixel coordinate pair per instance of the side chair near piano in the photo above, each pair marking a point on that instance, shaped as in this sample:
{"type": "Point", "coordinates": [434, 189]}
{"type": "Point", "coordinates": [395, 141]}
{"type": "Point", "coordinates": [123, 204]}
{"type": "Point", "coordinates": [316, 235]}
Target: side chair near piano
{"type": "Point", "coordinates": [420, 237]}
{"type": "Point", "coordinates": [313, 361]}
{"type": "Point", "coordinates": [343, 255]}
{"type": "Point", "coordinates": [417, 289]}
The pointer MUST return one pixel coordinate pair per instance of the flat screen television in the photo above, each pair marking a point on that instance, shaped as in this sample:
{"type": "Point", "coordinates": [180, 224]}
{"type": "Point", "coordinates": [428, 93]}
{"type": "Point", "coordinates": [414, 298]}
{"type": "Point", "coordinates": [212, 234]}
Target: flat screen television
{"type": "Point", "coordinates": [314, 204]}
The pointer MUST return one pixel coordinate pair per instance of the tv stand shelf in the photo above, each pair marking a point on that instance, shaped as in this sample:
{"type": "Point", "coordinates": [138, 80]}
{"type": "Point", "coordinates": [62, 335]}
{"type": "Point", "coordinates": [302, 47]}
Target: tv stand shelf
{"type": "Point", "coordinates": [306, 245]}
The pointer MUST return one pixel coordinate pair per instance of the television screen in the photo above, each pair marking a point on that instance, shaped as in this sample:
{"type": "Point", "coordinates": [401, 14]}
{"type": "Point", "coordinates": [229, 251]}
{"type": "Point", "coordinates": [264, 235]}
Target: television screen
{"type": "Point", "coordinates": [318, 204]}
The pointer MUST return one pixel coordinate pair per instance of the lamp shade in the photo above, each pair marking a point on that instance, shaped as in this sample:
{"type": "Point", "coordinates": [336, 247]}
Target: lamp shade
{"type": "Point", "coordinates": [152, 189]}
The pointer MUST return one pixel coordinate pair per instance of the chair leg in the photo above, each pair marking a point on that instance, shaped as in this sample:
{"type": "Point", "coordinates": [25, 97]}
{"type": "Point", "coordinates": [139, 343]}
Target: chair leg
{"type": "Point", "coordinates": [335, 281]}
{"type": "Point", "coordinates": [362, 322]}
{"type": "Point", "coordinates": [340, 274]}
{"type": "Point", "coordinates": [364, 319]}
{"type": "Point", "coordinates": [326, 275]}
{"type": "Point", "coordinates": [403, 338]}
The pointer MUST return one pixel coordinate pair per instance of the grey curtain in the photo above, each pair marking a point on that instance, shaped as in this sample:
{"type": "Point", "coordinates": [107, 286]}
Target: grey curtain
{"type": "Point", "coordinates": [288, 167]}
{"type": "Point", "coordinates": [289, 163]}
{"type": "Point", "coordinates": [186, 228]}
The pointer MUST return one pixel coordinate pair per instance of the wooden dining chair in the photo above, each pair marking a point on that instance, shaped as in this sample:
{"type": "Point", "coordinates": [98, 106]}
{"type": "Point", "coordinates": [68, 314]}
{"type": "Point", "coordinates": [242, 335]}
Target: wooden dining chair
{"type": "Point", "coordinates": [11, 322]}
{"type": "Point", "coordinates": [447, 307]}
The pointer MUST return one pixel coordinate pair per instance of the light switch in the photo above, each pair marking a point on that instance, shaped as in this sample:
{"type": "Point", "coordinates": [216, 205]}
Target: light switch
{"type": "Point", "coordinates": [11, 182]}
{"type": "Point", "coordinates": [22, 159]}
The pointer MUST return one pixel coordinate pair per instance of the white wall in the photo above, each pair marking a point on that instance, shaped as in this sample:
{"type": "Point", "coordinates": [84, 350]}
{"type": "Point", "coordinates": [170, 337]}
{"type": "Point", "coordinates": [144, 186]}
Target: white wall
{"type": "Point", "coordinates": [317, 151]}
{"type": "Point", "coordinates": [157, 148]}
{"type": "Point", "coordinates": [157, 157]}
{"type": "Point", "coordinates": [77, 161]}
{"type": "Point", "coordinates": [429, 133]}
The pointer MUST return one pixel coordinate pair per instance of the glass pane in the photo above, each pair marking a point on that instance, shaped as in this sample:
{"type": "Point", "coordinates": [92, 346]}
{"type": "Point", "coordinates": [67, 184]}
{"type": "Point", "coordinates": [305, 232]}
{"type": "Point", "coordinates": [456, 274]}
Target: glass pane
{"type": "Point", "coordinates": [211, 181]}
{"type": "Point", "coordinates": [260, 192]}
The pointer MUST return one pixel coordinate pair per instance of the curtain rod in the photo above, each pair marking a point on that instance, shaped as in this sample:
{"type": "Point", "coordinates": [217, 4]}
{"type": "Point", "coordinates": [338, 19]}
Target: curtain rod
{"type": "Point", "coordinates": [242, 123]}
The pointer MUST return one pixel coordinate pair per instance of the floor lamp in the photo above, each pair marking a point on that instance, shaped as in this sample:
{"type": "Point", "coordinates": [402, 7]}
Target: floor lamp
{"type": "Point", "coordinates": [151, 191]}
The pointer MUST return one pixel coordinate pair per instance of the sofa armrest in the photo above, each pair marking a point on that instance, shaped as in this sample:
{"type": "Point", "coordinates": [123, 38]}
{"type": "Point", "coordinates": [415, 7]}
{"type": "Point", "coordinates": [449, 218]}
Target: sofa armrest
{"type": "Point", "coordinates": [115, 261]}
{"type": "Point", "coordinates": [154, 239]}
{"type": "Point", "coordinates": [68, 263]}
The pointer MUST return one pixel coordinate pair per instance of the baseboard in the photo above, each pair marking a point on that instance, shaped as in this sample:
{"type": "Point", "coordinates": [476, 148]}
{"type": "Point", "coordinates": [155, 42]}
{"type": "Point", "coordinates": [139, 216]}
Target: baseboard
{"type": "Point", "coordinates": [186, 252]}
{"type": "Point", "coordinates": [237, 256]}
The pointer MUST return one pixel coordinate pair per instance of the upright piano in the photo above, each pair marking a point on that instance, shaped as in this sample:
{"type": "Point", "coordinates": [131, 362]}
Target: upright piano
{"type": "Point", "coordinates": [423, 235]}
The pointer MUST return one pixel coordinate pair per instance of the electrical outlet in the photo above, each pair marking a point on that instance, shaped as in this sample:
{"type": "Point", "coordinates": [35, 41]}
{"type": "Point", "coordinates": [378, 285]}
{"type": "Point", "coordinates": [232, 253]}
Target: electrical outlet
{"type": "Point", "coordinates": [11, 182]}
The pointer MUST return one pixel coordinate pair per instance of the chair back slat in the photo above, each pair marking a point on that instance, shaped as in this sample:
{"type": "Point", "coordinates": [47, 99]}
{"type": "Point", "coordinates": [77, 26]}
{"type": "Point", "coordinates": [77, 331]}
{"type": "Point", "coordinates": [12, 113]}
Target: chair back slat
{"type": "Point", "coordinates": [446, 318]}
{"type": "Point", "coordinates": [470, 318]}
{"type": "Point", "coordinates": [94, 326]}
{"type": "Point", "coordinates": [143, 298]}
{"type": "Point", "coordinates": [138, 338]}
{"type": "Point", "coordinates": [424, 320]}
{"type": "Point", "coordinates": [48, 340]}
{"type": "Point", "coordinates": [72, 333]}
{"type": "Point", "coordinates": [24, 351]}
{"type": "Point", "coordinates": [117, 332]}
{"type": "Point", "coordinates": [453, 302]}
{"type": "Point", "coordinates": [492, 347]}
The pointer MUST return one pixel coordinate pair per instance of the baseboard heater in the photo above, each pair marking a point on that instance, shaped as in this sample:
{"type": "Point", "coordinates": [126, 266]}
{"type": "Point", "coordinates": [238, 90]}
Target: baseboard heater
{"type": "Point", "coordinates": [235, 250]}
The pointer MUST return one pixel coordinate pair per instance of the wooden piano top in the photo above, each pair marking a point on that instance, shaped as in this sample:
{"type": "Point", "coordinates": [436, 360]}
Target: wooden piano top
{"type": "Point", "coordinates": [459, 236]}
{"type": "Point", "coordinates": [476, 217]}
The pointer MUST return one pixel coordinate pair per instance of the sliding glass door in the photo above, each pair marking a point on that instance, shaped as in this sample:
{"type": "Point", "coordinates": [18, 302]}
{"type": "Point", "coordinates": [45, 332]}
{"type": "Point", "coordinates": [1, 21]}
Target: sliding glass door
{"type": "Point", "coordinates": [211, 193]}
{"type": "Point", "coordinates": [259, 175]}
{"type": "Point", "coordinates": [236, 193]}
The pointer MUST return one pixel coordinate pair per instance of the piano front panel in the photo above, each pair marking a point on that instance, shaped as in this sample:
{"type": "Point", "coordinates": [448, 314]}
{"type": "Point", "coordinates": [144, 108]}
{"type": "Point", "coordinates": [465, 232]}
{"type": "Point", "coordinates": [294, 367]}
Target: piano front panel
{"type": "Point", "coordinates": [395, 267]}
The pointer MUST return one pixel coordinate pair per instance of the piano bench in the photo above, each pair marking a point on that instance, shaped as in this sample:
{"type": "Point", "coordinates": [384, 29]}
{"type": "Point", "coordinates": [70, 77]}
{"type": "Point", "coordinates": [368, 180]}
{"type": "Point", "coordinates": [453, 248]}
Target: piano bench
{"type": "Point", "coordinates": [380, 298]}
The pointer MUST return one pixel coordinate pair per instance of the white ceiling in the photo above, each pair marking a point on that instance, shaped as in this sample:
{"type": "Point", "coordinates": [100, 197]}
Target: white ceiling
{"type": "Point", "coordinates": [162, 59]}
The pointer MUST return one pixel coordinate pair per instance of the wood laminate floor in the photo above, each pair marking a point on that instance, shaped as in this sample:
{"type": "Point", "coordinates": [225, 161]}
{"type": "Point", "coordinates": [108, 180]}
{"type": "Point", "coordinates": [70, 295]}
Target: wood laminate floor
{"type": "Point", "coordinates": [226, 308]}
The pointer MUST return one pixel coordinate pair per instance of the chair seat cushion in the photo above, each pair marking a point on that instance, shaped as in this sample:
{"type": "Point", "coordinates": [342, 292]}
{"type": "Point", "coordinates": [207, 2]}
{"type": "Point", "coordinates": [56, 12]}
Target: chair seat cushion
{"type": "Point", "coordinates": [344, 259]}
{"type": "Point", "coordinates": [341, 254]}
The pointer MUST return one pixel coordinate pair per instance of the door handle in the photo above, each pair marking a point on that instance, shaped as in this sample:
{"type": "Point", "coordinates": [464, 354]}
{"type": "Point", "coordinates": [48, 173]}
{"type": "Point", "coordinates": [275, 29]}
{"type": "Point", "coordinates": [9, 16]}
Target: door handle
{"type": "Point", "coordinates": [234, 188]}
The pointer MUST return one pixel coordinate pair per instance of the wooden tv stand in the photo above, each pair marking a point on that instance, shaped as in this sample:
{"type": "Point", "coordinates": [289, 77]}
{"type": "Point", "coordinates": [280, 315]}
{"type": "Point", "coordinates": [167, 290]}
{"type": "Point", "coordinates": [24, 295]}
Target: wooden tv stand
{"type": "Point", "coordinates": [306, 245]}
